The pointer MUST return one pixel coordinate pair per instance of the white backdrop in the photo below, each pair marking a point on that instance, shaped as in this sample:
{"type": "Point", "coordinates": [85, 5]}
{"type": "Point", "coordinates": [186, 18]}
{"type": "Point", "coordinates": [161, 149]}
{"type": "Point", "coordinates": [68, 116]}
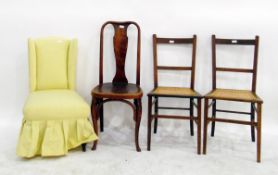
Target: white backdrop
{"type": "Point", "coordinates": [235, 19]}
{"type": "Point", "coordinates": [22, 19]}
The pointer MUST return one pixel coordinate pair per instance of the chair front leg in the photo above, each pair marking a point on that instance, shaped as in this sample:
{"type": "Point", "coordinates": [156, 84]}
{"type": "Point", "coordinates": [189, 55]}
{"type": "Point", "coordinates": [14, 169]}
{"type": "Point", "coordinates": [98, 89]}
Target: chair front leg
{"type": "Point", "coordinates": [135, 102]}
{"type": "Point", "coordinates": [205, 127]}
{"type": "Point", "coordinates": [138, 114]}
{"type": "Point", "coordinates": [199, 125]}
{"type": "Point", "coordinates": [149, 122]}
{"type": "Point", "coordinates": [94, 113]}
{"type": "Point", "coordinates": [259, 129]}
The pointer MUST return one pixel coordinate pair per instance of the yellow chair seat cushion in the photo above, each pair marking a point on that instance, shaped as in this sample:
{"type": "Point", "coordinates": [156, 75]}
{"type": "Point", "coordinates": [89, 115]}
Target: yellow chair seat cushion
{"type": "Point", "coordinates": [55, 105]}
{"type": "Point", "coordinates": [53, 137]}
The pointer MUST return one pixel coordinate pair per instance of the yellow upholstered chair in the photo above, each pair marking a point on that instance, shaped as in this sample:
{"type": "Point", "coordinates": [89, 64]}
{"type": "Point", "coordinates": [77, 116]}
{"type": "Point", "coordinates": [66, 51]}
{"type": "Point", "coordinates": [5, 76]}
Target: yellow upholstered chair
{"type": "Point", "coordinates": [55, 116]}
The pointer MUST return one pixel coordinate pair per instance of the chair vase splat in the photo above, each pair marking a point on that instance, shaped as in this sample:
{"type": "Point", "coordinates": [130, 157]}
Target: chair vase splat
{"type": "Point", "coordinates": [120, 42]}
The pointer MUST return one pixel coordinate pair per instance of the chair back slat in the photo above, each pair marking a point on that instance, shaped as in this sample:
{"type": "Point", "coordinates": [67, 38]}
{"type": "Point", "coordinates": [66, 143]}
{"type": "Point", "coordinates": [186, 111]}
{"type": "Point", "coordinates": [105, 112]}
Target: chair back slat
{"type": "Point", "coordinates": [174, 40]}
{"type": "Point", "coordinates": [173, 68]}
{"type": "Point", "coordinates": [235, 41]}
{"type": "Point", "coordinates": [224, 69]}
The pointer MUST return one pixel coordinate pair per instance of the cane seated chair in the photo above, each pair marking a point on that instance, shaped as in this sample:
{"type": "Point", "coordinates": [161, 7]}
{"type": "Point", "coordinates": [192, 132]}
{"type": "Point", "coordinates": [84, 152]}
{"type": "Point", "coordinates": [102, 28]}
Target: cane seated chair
{"type": "Point", "coordinates": [55, 116]}
{"type": "Point", "coordinates": [174, 92]}
{"type": "Point", "coordinates": [248, 96]}
{"type": "Point", "coordinates": [119, 89]}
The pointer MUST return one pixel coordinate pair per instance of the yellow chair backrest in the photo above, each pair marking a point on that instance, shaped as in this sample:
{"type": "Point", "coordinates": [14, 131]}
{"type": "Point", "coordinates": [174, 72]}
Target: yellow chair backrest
{"type": "Point", "coordinates": [52, 63]}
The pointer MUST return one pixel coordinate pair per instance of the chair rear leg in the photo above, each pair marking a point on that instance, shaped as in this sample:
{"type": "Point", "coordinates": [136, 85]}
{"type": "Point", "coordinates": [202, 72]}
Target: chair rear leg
{"type": "Point", "coordinates": [101, 116]}
{"type": "Point", "coordinates": [155, 125]}
{"type": "Point", "coordinates": [252, 118]}
{"type": "Point", "coordinates": [191, 116]}
{"type": "Point", "coordinates": [213, 116]}
{"type": "Point", "coordinates": [155, 112]}
{"type": "Point", "coordinates": [84, 147]}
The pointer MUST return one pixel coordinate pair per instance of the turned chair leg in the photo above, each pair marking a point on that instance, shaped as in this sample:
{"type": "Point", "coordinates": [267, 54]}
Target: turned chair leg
{"type": "Point", "coordinates": [252, 118]}
{"type": "Point", "coordinates": [94, 112]}
{"type": "Point", "coordinates": [205, 127]}
{"type": "Point", "coordinates": [155, 112]}
{"type": "Point", "coordinates": [84, 147]}
{"type": "Point", "coordinates": [213, 116]}
{"type": "Point", "coordinates": [191, 117]}
{"type": "Point", "coordinates": [138, 114]}
{"type": "Point", "coordinates": [149, 122]}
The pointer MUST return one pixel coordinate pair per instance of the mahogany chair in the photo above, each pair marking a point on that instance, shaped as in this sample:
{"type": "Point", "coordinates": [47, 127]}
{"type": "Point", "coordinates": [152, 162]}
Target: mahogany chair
{"type": "Point", "coordinates": [174, 92]}
{"type": "Point", "coordinates": [248, 96]}
{"type": "Point", "coordinates": [119, 89]}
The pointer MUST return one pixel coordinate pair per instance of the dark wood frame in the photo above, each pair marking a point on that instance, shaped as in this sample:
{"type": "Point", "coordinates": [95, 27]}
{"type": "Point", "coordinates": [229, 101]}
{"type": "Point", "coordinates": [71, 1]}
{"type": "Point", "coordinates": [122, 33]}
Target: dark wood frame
{"type": "Point", "coordinates": [156, 97]}
{"type": "Point", "coordinates": [120, 81]}
{"type": "Point", "coordinates": [254, 124]}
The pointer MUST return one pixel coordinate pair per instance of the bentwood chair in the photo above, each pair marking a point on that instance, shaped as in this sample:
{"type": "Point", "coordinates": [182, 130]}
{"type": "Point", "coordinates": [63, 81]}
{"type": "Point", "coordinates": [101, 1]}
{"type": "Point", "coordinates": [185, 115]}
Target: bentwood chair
{"type": "Point", "coordinates": [56, 118]}
{"type": "Point", "coordinates": [248, 96]}
{"type": "Point", "coordinates": [119, 89]}
{"type": "Point", "coordinates": [175, 92]}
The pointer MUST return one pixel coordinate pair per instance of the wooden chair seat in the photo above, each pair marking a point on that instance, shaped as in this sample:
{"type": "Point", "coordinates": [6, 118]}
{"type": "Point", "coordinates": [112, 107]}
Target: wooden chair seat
{"type": "Point", "coordinates": [233, 95]}
{"type": "Point", "coordinates": [174, 92]}
{"type": "Point", "coordinates": [108, 90]}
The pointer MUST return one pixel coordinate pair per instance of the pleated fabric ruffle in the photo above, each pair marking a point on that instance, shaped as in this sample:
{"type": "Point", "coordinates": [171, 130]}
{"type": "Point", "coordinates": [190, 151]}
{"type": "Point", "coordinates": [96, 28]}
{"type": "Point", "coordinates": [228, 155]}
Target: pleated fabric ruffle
{"type": "Point", "coordinates": [53, 137]}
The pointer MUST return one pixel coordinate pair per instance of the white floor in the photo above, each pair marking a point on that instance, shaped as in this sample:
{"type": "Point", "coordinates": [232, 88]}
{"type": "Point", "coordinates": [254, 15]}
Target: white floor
{"type": "Point", "coordinates": [173, 152]}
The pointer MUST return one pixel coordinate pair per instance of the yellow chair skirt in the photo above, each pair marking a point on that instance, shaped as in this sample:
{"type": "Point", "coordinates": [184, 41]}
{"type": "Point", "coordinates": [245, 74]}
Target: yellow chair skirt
{"type": "Point", "coordinates": [53, 137]}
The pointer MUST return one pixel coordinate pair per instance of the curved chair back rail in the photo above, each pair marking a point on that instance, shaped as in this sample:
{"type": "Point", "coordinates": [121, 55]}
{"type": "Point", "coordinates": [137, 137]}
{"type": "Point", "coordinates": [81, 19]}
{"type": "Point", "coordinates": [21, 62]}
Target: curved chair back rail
{"type": "Point", "coordinates": [120, 42]}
